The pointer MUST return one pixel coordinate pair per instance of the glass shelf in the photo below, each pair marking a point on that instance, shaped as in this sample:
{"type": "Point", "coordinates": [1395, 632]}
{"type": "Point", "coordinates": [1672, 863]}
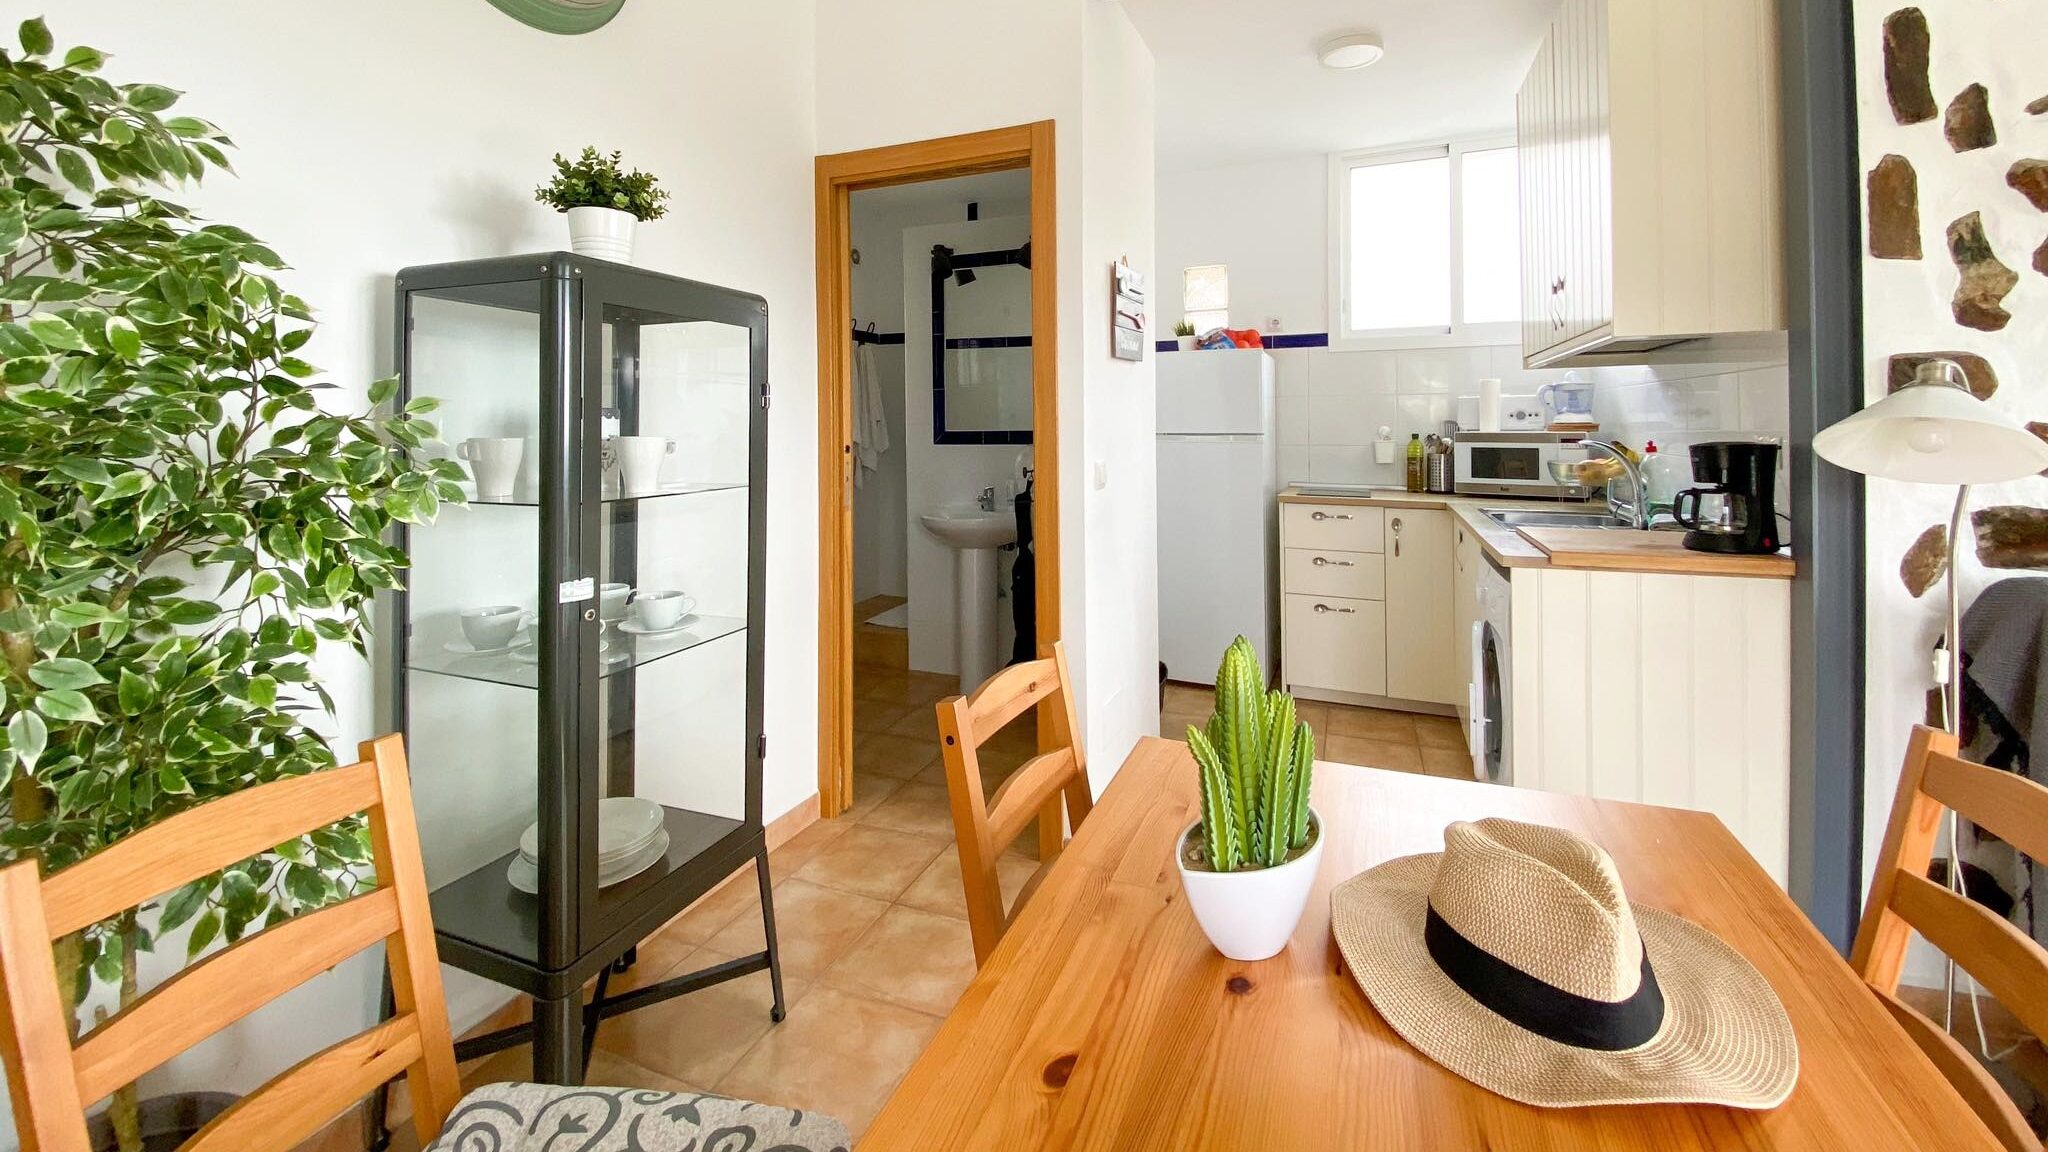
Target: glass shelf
{"type": "Point", "coordinates": [623, 652]}
{"type": "Point", "coordinates": [611, 496]}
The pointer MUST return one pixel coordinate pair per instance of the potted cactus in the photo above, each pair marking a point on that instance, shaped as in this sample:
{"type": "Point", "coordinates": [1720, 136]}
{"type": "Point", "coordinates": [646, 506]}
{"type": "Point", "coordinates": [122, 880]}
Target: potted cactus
{"type": "Point", "coordinates": [1250, 861]}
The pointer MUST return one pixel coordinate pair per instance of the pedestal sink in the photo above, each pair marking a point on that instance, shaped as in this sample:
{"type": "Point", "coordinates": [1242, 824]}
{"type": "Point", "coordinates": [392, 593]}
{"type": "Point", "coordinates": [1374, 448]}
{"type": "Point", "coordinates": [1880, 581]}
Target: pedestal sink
{"type": "Point", "coordinates": [974, 534]}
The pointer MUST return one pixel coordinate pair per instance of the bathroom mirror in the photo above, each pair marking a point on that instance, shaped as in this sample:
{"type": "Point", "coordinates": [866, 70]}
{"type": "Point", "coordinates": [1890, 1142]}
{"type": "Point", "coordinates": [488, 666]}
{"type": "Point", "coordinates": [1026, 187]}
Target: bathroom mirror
{"type": "Point", "coordinates": [981, 346]}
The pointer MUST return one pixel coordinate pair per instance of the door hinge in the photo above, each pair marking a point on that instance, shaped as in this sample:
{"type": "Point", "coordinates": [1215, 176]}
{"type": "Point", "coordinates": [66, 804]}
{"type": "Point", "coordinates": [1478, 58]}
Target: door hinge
{"type": "Point", "coordinates": [760, 745]}
{"type": "Point", "coordinates": [764, 393]}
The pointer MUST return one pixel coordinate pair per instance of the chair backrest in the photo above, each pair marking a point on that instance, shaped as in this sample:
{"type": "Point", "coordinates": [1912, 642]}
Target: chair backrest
{"type": "Point", "coordinates": [52, 1082]}
{"type": "Point", "coordinates": [985, 825]}
{"type": "Point", "coordinates": [2009, 964]}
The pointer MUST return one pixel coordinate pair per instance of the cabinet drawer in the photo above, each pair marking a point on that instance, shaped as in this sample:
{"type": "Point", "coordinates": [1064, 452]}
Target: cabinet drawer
{"type": "Point", "coordinates": [1355, 575]}
{"type": "Point", "coordinates": [1340, 527]}
{"type": "Point", "coordinates": [1335, 643]}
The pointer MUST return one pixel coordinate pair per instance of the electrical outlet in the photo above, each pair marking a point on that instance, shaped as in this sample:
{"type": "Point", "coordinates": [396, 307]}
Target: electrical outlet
{"type": "Point", "coordinates": [1101, 475]}
{"type": "Point", "coordinates": [1272, 323]}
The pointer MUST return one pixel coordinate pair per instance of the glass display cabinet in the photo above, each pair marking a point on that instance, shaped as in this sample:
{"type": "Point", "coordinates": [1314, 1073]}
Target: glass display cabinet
{"type": "Point", "coordinates": [577, 668]}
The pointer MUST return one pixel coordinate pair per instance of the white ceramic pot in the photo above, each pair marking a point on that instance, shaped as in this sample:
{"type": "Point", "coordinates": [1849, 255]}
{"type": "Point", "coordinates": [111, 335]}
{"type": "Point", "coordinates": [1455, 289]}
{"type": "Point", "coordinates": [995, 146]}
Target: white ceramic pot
{"type": "Point", "coordinates": [1250, 915]}
{"type": "Point", "coordinates": [604, 233]}
{"type": "Point", "coordinates": [1187, 343]}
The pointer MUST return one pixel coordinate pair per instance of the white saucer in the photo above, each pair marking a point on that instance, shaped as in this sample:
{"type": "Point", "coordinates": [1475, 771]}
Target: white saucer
{"type": "Point", "coordinates": [609, 653]}
{"type": "Point", "coordinates": [632, 629]}
{"type": "Point", "coordinates": [524, 874]}
{"type": "Point", "coordinates": [465, 648]}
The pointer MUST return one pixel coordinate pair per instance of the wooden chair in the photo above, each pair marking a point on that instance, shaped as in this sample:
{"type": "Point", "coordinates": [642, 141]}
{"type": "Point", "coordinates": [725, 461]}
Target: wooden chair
{"type": "Point", "coordinates": [984, 826]}
{"type": "Point", "coordinates": [2010, 965]}
{"type": "Point", "coordinates": [51, 1081]}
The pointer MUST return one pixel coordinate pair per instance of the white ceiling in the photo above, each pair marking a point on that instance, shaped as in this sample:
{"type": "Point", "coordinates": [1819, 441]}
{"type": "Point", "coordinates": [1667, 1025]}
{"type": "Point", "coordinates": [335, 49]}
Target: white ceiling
{"type": "Point", "coordinates": [1239, 81]}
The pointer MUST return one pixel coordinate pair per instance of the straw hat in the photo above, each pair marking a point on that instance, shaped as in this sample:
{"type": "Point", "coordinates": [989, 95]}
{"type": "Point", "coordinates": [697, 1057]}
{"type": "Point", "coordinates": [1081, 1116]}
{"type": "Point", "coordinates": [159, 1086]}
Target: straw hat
{"type": "Point", "coordinates": [1514, 959]}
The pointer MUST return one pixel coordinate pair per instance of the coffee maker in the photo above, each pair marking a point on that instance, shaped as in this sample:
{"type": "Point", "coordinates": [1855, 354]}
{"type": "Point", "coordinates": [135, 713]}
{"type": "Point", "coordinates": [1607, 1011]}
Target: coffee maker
{"type": "Point", "coordinates": [1737, 510]}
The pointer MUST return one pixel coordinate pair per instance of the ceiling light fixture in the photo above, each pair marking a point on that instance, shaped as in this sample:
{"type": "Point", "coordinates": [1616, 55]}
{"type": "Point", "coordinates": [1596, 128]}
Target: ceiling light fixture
{"type": "Point", "coordinates": [1351, 51]}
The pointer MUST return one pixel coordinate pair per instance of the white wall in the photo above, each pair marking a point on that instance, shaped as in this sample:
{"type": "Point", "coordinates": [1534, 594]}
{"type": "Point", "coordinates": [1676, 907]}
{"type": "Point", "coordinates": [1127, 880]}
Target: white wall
{"type": "Point", "coordinates": [926, 68]}
{"type": "Point", "coordinates": [383, 133]}
{"type": "Point", "coordinates": [1906, 310]}
{"type": "Point", "coordinates": [1270, 222]}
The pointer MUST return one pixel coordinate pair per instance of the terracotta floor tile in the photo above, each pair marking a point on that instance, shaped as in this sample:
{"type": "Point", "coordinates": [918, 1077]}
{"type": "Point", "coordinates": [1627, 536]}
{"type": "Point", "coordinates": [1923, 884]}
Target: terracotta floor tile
{"type": "Point", "coordinates": [872, 862]}
{"type": "Point", "coordinates": [1372, 753]}
{"type": "Point", "coordinates": [870, 789]}
{"type": "Point", "coordinates": [1371, 724]}
{"type": "Point", "coordinates": [900, 757]}
{"type": "Point", "coordinates": [656, 957]}
{"type": "Point", "coordinates": [794, 853]}
{"type": "Point", "coordinates": [878, 715]}
{"type": "Point", "coordinates": [910, 958]}
{"type": "Point", "coordinates": [1175, 725]}
{"type": "Point", "coordinates": [1450, 763]}
{"type": "Point", "coordinates": [842, 1056]}
{"type": "Point", "coordinates": [611, 1070]}
{"type": "Point", "coordinates": [1440, 732]}
{"type": "Point", "coordinates": [919, 809]}
{"type": "Point", "coordinates": [1189, 698]}
{"type": "Point", "coordinates": [920, 688]}
{"type": "Point", "coordinates": [918, 723]}
{"type": "Point", "coordinates": [696, 1038]}
{"type": "Point", "coordinates": [737, 897]}
{"type": "Point", "coordinates": [938, 889]}
{"type": "Point", "coordinates": [1315, 712]}
{"type": "Point", "coordinates": [814, 925]}
{"type": "Point", "coordinates": [873, 684]}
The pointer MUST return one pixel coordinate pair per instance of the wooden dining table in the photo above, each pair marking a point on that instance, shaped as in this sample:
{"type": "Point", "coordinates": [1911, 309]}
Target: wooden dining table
{"type": "Point", "coordinates": [1105, 1020]}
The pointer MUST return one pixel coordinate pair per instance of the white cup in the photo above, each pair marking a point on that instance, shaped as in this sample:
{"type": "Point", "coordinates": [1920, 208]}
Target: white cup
{"type": "Point", "coordinates": [611, 601]}
{"type": "Point", "coordinates": [491, 628]}
{"type": "Point", "coordinates": [640, 462]}
{"type": "Point", "coordinates": [494, 461]}
{"type": "Point", "coordinates": [658, 611]}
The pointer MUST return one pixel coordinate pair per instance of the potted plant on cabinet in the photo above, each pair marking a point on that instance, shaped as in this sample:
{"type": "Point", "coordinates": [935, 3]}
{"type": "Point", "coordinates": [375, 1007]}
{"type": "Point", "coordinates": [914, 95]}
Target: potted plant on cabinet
{"type": "Point", "coordinates": [1184, 335]}
{"type": "Point", "coordinates": [1248, 864]}
{"type": "Point", "coordinates": [182, 523]}
{"type": "Point", "coordinates": [604, 203]}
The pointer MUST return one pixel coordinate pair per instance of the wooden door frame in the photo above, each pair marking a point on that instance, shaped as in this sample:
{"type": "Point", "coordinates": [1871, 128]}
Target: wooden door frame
{"type": "Point", "coordinates": [1025, 146]}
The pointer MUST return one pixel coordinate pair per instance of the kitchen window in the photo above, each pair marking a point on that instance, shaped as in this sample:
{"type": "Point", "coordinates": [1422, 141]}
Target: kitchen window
{"type": "Point", "coordinates": [1205, 296]}
{"type": "Point", "coordinates": [1427, 248]}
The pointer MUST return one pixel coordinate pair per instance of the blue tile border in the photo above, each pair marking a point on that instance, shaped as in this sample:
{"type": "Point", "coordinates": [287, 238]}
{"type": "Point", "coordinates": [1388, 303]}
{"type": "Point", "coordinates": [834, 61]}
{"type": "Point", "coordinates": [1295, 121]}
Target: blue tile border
{"type": "Point", "coordinates": [860, 337]}
{"type": "Point", "coordinates": [1273, 341]}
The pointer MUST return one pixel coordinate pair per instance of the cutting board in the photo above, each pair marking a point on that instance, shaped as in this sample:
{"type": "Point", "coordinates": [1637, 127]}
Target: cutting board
{"type": "Point", "coordinates": [1609, 549]}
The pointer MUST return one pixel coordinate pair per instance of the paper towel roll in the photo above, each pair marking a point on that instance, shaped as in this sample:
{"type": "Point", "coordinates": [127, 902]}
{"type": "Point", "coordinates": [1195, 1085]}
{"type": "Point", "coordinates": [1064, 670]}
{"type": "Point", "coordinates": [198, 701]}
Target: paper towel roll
{"type": "Point", "coordinates": [1489, 405]}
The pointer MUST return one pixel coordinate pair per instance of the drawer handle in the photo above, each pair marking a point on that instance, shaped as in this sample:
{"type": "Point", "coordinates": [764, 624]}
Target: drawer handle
{"type": "Point", "coordinates": [1323, 562]}
{"type": "Point", "coordinates": [1327, 608]}
{"type": "Point", "coordinates": [1329, 515]}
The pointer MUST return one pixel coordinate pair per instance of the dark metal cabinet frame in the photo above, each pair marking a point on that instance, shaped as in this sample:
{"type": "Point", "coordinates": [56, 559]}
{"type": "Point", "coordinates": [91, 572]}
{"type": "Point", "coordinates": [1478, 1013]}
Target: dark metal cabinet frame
{"type": "Point", "coordinates": [551, 945]}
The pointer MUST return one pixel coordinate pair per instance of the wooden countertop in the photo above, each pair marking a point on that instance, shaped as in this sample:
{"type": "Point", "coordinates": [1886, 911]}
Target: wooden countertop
{"type": "Point", "coordinates": [1105, 1019]}
{"type": "Point", "coordinates": [1578, 548]}
{"type": "Point", "coordinates": [1607, 550]}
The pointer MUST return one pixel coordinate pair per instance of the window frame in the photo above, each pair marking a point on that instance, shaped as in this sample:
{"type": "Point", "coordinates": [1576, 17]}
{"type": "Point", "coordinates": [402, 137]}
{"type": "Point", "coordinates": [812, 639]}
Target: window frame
{"type": "Point", "coordinates": [1458, 334]}
{"type": "Point", "coordinates": [1189, 314]}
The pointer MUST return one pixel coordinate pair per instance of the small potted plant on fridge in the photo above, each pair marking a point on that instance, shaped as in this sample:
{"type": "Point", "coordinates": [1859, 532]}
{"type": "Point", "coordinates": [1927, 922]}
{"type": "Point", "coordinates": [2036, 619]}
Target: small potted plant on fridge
{"type": "Point", "coordinates": [1184, 333]}
{"type": "Point", "coordinates": [1250, 861]}
{"type": "Point", "coordinates": [604, 202]}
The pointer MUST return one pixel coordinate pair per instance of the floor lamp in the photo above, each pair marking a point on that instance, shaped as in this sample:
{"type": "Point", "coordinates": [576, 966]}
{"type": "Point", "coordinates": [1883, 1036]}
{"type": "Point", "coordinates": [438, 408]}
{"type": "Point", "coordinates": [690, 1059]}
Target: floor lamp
{"type": "Point", "coordinates": [1935, 431]}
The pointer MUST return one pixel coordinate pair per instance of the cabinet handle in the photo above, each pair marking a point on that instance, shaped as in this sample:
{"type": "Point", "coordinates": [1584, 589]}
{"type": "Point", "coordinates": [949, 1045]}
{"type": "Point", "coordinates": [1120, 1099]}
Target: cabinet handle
{"type": "Point", "coordinates": [1327, 608]}
{"type": "Point", "coordinates": [1395, 523]}
{"type": "Point", "coordinates": [1329, 515]}
{"type": "Point", "coordinates": [1324, 562]}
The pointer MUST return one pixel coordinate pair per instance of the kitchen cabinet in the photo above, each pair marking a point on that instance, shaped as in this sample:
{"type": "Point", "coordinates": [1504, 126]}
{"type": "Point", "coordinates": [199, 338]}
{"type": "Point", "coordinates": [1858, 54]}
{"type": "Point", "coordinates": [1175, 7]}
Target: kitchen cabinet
{"type": "Point", "coordinates": [1418, 596]}
{"type": "Point", "coordinates": [1366, 614]}
{"type": "Point", "coordinates": [1466, 557]}
{"type": "Point", "coordinates": [1648, 138]}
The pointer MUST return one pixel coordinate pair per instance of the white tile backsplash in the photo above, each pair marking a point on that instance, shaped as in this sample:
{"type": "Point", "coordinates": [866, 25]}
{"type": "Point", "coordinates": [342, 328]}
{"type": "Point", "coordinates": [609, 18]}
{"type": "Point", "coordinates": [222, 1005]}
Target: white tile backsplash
{"type": "Point", "coordinates": [1333, 403]}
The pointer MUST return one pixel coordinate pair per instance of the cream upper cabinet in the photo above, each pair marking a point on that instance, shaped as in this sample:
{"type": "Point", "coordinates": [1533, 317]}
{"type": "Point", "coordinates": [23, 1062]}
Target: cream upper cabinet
{"type": "Point", "coordinates": [1648, 141]}
{"type": "Point", "coordinates": [1420, 608]}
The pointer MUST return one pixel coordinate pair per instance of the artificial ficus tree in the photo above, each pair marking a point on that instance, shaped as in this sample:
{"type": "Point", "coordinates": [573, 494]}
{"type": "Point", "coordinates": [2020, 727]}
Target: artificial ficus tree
{"type": "Point", "coordinates": [182, 522]}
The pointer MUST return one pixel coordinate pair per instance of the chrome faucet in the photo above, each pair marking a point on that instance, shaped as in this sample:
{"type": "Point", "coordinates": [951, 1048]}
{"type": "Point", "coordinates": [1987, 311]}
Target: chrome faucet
{"type": "Point", "coordinates": [1636, 509]}
{"type": "Point", "coordinates": [987, 500]}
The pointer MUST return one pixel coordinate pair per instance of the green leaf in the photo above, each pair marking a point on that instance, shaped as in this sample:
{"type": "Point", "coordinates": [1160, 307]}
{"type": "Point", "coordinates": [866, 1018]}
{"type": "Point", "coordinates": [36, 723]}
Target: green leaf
{"type": "Point", "coordinates": [151, 97]}
{"type": "Point", "coordinates": [381, 391]}
{"type": "Point", "coordinates": [263, 692]}
{"type": "Point", "coordinates": [75, 169]}
{"type": "Point", "coordinates": [173, 781]}
{"type": "Point", "coordinates": [55, 332]}
{"type": "Point", "coordinates": [184, 904]}
{"type": "Point", "coordinates": [125, 338]}
{"type": "Point", "coordinates": [107, 967]}
{"type": "Point", "coordinates": [80, 614]}
{"type": "Point", "coordinates": [83, 59]}
{"type": "Point", "coordinates": [65, 672]}
{"type": "Point", "coordinates": [134, 692]}
{"type": "Point", "coordinates": [204, 931]}
{"type": "Point", "coordinates": [27, 736]}
{"type": "Point", "coordinates": [35, 37]}
{"type": "Point", "coordinates": [190, 612]}
{"type": "Point", "coordinates": [66, 707]}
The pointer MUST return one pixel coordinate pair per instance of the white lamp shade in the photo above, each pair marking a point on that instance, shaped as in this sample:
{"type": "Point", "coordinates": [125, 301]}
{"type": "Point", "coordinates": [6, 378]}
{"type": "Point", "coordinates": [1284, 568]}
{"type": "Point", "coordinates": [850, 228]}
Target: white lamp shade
{"type": "Point", "coordinates": [1933, 434]}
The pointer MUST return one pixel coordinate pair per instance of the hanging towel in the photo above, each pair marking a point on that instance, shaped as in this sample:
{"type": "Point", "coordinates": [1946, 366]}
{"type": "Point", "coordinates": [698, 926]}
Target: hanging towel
{"type": "Point", "coordinates": [870, 420]}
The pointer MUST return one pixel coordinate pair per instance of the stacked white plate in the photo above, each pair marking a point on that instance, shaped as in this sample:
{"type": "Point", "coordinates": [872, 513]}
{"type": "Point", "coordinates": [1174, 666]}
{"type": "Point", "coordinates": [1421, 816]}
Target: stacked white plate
{"type": "Point", "coordinates": [630, 838]}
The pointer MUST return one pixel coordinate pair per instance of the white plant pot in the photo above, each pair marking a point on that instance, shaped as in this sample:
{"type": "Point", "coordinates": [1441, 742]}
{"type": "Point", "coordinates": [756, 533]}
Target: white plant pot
{"type": "Point", "coordinates": [1187, 343]}
{"type": "Point", "coordinates": [603, 233]}
{"type": "Point", "coordinates": [1250, 915]}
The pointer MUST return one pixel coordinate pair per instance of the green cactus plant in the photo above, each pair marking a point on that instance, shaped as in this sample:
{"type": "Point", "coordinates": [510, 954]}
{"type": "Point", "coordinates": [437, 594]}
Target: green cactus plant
{"type": "Point", "coordinates": [1256, 761]}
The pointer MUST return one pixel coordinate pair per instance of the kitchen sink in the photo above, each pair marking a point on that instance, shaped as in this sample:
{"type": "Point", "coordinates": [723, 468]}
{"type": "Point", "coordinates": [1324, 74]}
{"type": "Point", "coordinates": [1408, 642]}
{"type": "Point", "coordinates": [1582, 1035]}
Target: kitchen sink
{"type": "Point", "coordinates": [1547, 518]}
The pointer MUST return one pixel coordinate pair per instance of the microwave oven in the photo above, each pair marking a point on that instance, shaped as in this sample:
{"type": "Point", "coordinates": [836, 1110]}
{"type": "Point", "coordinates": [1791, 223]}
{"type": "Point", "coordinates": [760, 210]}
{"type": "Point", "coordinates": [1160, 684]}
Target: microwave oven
{"type": "Point", "coordinates": [1516, 464]}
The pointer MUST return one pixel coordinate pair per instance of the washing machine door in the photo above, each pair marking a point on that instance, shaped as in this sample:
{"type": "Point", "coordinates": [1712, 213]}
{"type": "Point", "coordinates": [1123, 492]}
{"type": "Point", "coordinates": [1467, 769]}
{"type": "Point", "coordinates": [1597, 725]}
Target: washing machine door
{"type": "Point", "coordinates": [1489, 712]}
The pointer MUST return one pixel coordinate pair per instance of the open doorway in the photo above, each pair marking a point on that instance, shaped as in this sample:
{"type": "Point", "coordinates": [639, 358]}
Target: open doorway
{"type": "Point", "coordinates": [937, 378]}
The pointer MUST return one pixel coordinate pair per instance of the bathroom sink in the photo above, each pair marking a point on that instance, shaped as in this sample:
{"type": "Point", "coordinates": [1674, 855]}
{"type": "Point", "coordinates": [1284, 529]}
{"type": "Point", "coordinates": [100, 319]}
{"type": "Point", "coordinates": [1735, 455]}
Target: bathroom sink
{"type": "Point", "coordinates": [969, 528]}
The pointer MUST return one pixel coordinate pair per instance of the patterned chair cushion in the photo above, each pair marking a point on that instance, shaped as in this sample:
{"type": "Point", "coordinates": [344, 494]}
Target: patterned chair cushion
{"type": "Point", "coordinates": [548, 1118]}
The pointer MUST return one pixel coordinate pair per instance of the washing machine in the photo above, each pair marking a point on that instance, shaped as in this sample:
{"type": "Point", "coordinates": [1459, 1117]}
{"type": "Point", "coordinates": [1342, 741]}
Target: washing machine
{"type": "Point", "coordinates": [1491, 703]}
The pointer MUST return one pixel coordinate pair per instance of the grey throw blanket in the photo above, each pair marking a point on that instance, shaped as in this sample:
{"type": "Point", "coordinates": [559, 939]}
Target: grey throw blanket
{"type": "Point", "coordinates": [2005, 707]}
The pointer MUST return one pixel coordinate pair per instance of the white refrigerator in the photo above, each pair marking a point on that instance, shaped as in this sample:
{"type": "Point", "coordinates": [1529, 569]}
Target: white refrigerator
{"type": "Point", "coordinates": [1219, 478]}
